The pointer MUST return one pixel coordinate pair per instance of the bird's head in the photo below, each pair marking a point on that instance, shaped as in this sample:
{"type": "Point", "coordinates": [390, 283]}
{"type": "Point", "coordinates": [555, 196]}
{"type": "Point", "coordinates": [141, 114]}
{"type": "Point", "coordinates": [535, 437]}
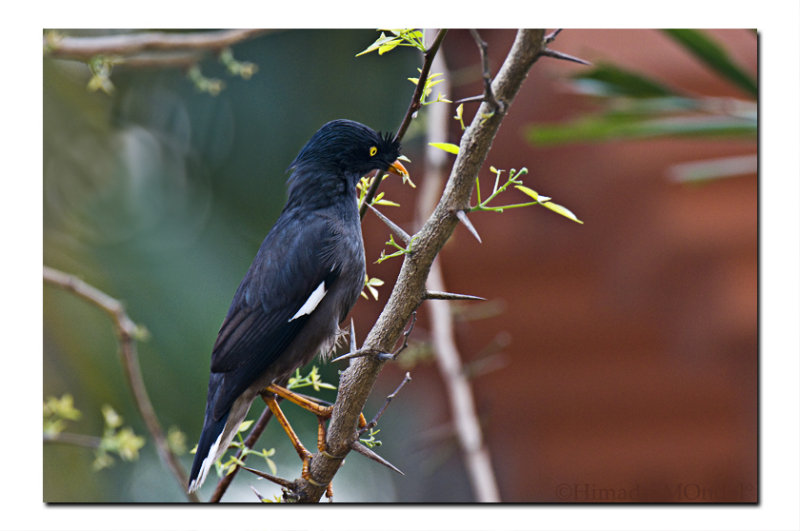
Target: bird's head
{"type": "Point", "coordinates": [350, 149]}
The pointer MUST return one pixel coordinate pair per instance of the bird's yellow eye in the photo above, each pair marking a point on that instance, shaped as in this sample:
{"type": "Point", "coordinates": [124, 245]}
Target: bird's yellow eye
{"type": "Point", "coordinates": [372, 151]}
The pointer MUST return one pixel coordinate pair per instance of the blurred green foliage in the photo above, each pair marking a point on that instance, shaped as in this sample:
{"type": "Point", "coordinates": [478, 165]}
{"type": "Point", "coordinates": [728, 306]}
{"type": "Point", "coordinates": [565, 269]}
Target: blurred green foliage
{"type": "Point", "coordinates": [159, 195]}
{"type": "Point", "coordinates": [634, 106]}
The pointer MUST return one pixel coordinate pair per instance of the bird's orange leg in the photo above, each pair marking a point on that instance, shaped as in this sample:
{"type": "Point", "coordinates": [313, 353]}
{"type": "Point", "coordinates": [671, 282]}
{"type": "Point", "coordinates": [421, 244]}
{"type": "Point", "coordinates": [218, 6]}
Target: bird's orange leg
{"type": "Point", "coordinates": [273, 406]}
{"type": "Point", "coordinates": [306, 403]}
{"type": "Point", "coordinates": [322, 412]}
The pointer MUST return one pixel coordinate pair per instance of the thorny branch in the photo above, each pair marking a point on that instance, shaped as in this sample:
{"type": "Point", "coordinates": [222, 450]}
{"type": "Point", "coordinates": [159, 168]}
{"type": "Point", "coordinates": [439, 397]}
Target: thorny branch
{"type": "Point", "coordinates": [127, 333]}
{"type": "Point", "coordinates": [357, 381]}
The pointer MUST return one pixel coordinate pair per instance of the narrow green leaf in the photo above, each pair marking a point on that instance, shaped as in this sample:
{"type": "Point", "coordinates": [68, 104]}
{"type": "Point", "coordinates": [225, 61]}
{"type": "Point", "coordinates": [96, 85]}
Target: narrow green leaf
{"type": "Point", "coordinates": [380, 41]}
{"type": "Point", "coordinates": [713, 55]}
{"type": "Point", "coordinates": [388, 47]}
{"type": "Point", "coordinates": [564, 211]}
{"type": "Point", "coordinates": [610, 80]}
{"type": "Point", "coordinates": [527, 191]}
{"type": "Point", "coordinates": [445, 146]}
{"type": "Point", "coordinates": [609, 127]}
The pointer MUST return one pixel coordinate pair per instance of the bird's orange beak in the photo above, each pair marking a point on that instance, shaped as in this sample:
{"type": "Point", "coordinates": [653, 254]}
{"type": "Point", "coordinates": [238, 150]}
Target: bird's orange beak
{"type": "Point", "coordinates": [398, 169]}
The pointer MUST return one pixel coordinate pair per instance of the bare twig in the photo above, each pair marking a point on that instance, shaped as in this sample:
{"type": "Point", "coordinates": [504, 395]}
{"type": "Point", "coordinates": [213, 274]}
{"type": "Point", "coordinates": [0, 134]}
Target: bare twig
{"type": "Point", "coordinates": [130, 44]}
{"type": "Point", "coordinates": [76, 439]}
{"type": "Point", "coordinates": [127, 333]}
{"type": "Point", "coordinates": [374, 422]}
{"type": "Point", "coordinates": [357, 381]}
{"type": "Point", "coordinates": [488, 94]}
{"type": "Point", "coordinates": [413, 107]}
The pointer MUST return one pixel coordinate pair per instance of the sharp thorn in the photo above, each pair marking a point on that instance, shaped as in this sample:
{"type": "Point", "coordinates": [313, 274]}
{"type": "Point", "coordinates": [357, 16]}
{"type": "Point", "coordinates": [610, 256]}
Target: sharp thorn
{"type": "Point", "coordinates": [561, 55]}
{"type": "Point", "coordinates": [400, 233]}
{"type": "Point", "coordinates": [275, 479]}
{"type": "Point", "coordinates": [353, 345]}
{"type": "Point", "coordinates": [552, 36]}
{"type": "Point", "coordinates": [462, 216]}
{"type": "Point", "coordinates": [366, 452]}
{"type": "Point", "coordinates": [360, 353]}
{"type": "Point", "coordinates": [260, 496]}
{"type": "Point", "coordinates": [470, 98]}
{"type": "Point", "coordinates": [350, 355]}
{"type": "Point", "coordinates": [443, 295]}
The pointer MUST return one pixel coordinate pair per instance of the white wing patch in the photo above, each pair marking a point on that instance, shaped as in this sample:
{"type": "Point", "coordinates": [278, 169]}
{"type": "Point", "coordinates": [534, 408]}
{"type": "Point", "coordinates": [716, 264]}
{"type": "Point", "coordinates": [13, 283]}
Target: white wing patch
{"type": "Point", "coordinates": [313, 301]}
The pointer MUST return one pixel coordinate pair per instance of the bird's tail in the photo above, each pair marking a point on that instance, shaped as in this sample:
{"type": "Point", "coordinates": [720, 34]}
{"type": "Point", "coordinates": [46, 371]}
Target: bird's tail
{"type": "Point", "coordinates": [208, 449]}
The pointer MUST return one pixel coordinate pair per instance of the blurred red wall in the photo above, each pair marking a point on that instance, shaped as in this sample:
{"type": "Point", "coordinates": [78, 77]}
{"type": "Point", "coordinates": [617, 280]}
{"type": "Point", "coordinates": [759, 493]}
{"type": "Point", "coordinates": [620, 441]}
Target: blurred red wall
{"type": "Point", "coordinates": [632, 368]}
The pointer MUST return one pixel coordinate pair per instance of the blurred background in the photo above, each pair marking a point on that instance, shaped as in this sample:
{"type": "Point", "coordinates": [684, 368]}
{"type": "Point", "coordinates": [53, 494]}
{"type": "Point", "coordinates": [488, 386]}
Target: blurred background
{"type": "Point", "coordinates": [612, 361]}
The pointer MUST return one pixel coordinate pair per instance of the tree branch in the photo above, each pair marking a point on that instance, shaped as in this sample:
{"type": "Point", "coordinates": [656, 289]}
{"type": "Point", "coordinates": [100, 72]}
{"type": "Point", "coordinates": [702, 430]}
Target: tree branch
{"type": "Point", "coordinates": [75, 439]}
{"type": "Point", "coordinates": [357, 381]}
{"type": "Point", "coordinates": [130, 44]}
{"type": "Point", "coordinates": [127, 333]}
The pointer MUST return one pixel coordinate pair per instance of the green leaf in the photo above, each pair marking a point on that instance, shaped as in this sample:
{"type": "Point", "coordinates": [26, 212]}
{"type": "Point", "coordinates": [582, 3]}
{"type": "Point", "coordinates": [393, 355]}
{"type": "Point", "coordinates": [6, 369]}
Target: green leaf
{"type": "Point", "coordinates": [610, 80]}
{"type": "Point", "coordinates": [383, 40]}
{"type": "Point", "coordinates": [527, 191]}
{"type": "Point", "coordinates": [244, 426]}
{"type": "Point", "coordinates": [389, 46]}
{"type": "Point", "coordinates": [717, 168]}
{"type": "Point", "coordinates": [713, 55]}
{"type": "Point", "coordinates": [613, 126]}
{"type": "Point", "coordinates": [564, 211]}
{"type": "Point", "coordinates": [445, 146]}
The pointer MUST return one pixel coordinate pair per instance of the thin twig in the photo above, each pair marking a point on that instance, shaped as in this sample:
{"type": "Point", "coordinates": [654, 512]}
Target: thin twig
{"type": "Point", "coordinates": [374, 422]}
{"type": "Point", "coordinates": [129, 44]}
{"type": "Point", "coordinates": [488, 93]}
{"type": "Point", "coordinates": [127, 333]}
{"type": "Point", "coordinates": [76, 439]}
{"type": "Point", "coordinates": [413, 107]}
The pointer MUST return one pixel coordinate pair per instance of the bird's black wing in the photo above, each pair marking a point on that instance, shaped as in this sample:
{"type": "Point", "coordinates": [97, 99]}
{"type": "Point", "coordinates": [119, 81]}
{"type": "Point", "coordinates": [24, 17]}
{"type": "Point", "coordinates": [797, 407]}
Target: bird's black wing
{"type": "Point", "coordinates": [291, 264]}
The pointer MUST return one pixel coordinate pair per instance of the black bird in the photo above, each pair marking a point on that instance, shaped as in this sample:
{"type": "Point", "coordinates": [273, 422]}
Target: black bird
{"type": "Point", "coordinates": [304, 279]}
